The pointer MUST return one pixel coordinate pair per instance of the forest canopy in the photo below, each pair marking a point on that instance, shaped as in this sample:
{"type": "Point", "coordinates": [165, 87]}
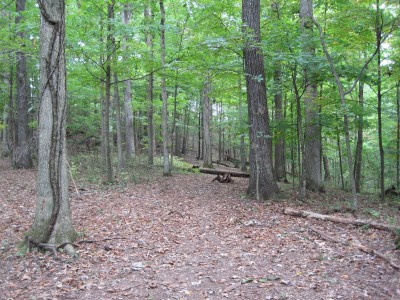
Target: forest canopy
{"type": "Point", "coordinates": [121, 58]}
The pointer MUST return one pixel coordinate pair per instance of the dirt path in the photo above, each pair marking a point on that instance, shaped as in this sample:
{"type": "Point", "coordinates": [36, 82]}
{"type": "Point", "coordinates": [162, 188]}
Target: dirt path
{"type": "Point", "coordinates": [186, 237]}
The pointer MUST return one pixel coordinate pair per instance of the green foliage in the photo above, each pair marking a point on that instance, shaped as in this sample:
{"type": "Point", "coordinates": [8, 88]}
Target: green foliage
{"type": "Point", "coordinates": [372, 212]}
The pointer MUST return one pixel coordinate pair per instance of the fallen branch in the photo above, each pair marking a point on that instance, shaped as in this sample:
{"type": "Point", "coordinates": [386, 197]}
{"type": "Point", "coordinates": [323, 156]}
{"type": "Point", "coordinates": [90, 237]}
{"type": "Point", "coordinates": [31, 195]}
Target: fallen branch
{"type": "Point", "coordinates": [102, 240]}
{"type": "Point", "coordinates": [355, 222]}
{"type": "Point", "coordinates": [223, 172]}
{"type": "Point", "coordinates": [356, 245]}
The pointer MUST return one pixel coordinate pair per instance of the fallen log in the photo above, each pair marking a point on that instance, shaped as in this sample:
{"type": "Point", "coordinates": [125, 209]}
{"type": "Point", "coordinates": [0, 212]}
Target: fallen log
{"type": "Point", "coordinates": [355, 222]}
{"type": "Point", "coordinates": [223, 172]}
{"type": "Point", "coordinates": [356, 245]}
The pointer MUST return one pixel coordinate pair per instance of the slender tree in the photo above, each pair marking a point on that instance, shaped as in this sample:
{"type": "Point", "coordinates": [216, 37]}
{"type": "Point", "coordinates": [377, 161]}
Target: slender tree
{"type": "Point", "coordinates": [262, 183]}
{"type": "Point", "coordinates": [150, 82]}
{"type": "Point", "coordinates": [207, 146]}
{"type": "Point", "coordinates": [378, 33]}
{"type": "Point", "coordinates": [129, 129]}
{"type": "Point", "coordinates": [52, 223]}
{"type": "Point", "coordinates": [398, 135]}
{"type": "Point", "coordinates": [107, 100]}
{"type": "Point", "coordinates": [164, 96]}
{"type": "Point", "coordinates": [21, 153]}
{"type": "Point", "coordinates": [117, 106]}
{"type": "Point", "coordinates": [359, 146]}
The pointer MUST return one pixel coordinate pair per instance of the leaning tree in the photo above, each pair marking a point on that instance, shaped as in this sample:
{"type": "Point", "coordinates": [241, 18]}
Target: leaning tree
{"type": "Point", "coordinates": [52, 223]}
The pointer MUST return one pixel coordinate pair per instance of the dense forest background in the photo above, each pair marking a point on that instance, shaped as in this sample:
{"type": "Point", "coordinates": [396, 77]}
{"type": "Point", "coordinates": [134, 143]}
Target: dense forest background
{"type": "Point", "coordinates": [148, 79]}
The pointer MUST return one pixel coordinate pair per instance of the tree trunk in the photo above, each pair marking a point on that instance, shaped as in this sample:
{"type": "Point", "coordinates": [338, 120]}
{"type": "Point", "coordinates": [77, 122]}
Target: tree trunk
{"type": "Point", "coordinates": [340, 157]}
{"type": "Point", "coordinates": [164, 96]}
{"type": "Point", "coordinates": [300, 135]}
{"type": "Point", "coordinates": [345, 115]}
{"type": "Point", "coordinates": [52, 221]}
{"type": "Point", "coordinates": [199, 130]}
{"type": "Point", "coordinates": [312, 140]}
{"type": "Point", "coordinates": [22, 153]}
{"type": "Point", "coordinates": [5, 143]}
{"type": "Point", "coordinates": [359, 147]}
{"type": "Point", "coordinates": [109, 51]}
{"type": "Point", "coordinates": [378, 32]}
{"type": "Point", "coordinates": [262, 183]}
{"type": "Point", "coordinates": [129, 128]}
{"type": "Point", "coordinates": [398, 136]}
{"type": "Point", "coordinates": [327, 174]}
{"type": "Point", "coordinates": [207, 153]}
{"type": "Point", "coordinates": [280, 170]}
{"type": "Point", "coordinates": [150, 81]}
{"type": "Point", "coordinates": [121, 162]}
{"type": "Point", "coordinates": [243, 160]}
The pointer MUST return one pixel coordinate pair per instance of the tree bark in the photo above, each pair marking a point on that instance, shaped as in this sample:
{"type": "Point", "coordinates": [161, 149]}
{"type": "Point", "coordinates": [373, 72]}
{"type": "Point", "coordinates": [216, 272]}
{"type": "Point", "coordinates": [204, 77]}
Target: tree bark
{"type": "Point", "coordinates": [398, 136]}
{"type": "Point", "coordinates": [207, 153]}
{"type": "Point", "coordinates": [52, 221]}
{"type": "Point", "coordinates": [378, 32]}
{"type": "Point", "coordinates": [262, 183]}
{"type": "Point", "coordinates": [164, 96]}
{"type": "Point", "coordinates": [109, 51]}
{"type": "Point", "coordinates": [150, 82]}
{"type": "Point", "coordinates": [130, 150]}
{"type": "Point", "coordinates": [121, 162]}
{"type": "Point", "coordinates": [327, 174]}
{"type": "Point", "coordinates": [312, 140]}
{"type": "Point", "coordinates": [21, 152]}
{"type": "Point", "coordinates": [5, 143]}
{"type": "Point", "coordinates": [280, 170]}
{"type": "Point", "coordinates": [243, 160]}
{"type": "Point", "coordinates": [359, 146]}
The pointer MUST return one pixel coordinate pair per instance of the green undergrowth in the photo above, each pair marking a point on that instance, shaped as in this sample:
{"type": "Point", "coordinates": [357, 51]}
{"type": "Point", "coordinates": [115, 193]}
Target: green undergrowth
{"type": "Point", "coordinates": [88, 169]}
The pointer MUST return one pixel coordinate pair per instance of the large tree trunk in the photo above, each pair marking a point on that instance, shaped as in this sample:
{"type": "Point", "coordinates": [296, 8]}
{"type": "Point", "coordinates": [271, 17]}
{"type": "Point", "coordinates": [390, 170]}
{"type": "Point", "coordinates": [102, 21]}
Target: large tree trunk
{"type": "Point", "coordinates": [207, 153]}
{"type": "Point", "coordinates": [52, 222]}
{"type": "Point", "coordinates": [279, 166]}
{"type": "Point", "coordinates": [262, 183]}
{"type": "Point", "coordinates": [312, 136]}
{"type": "Point", "coordinates": [21, 154]}
{"type": "Point", "coordinates": [164, 96]}
{"type": "Point", "coordinates": [129, 129]}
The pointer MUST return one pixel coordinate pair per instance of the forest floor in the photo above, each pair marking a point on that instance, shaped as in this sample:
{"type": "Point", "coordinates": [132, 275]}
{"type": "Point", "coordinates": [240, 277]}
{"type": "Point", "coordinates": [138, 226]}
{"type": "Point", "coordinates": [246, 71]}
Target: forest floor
{"type": "Point", "coordinates": [186, 237]}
